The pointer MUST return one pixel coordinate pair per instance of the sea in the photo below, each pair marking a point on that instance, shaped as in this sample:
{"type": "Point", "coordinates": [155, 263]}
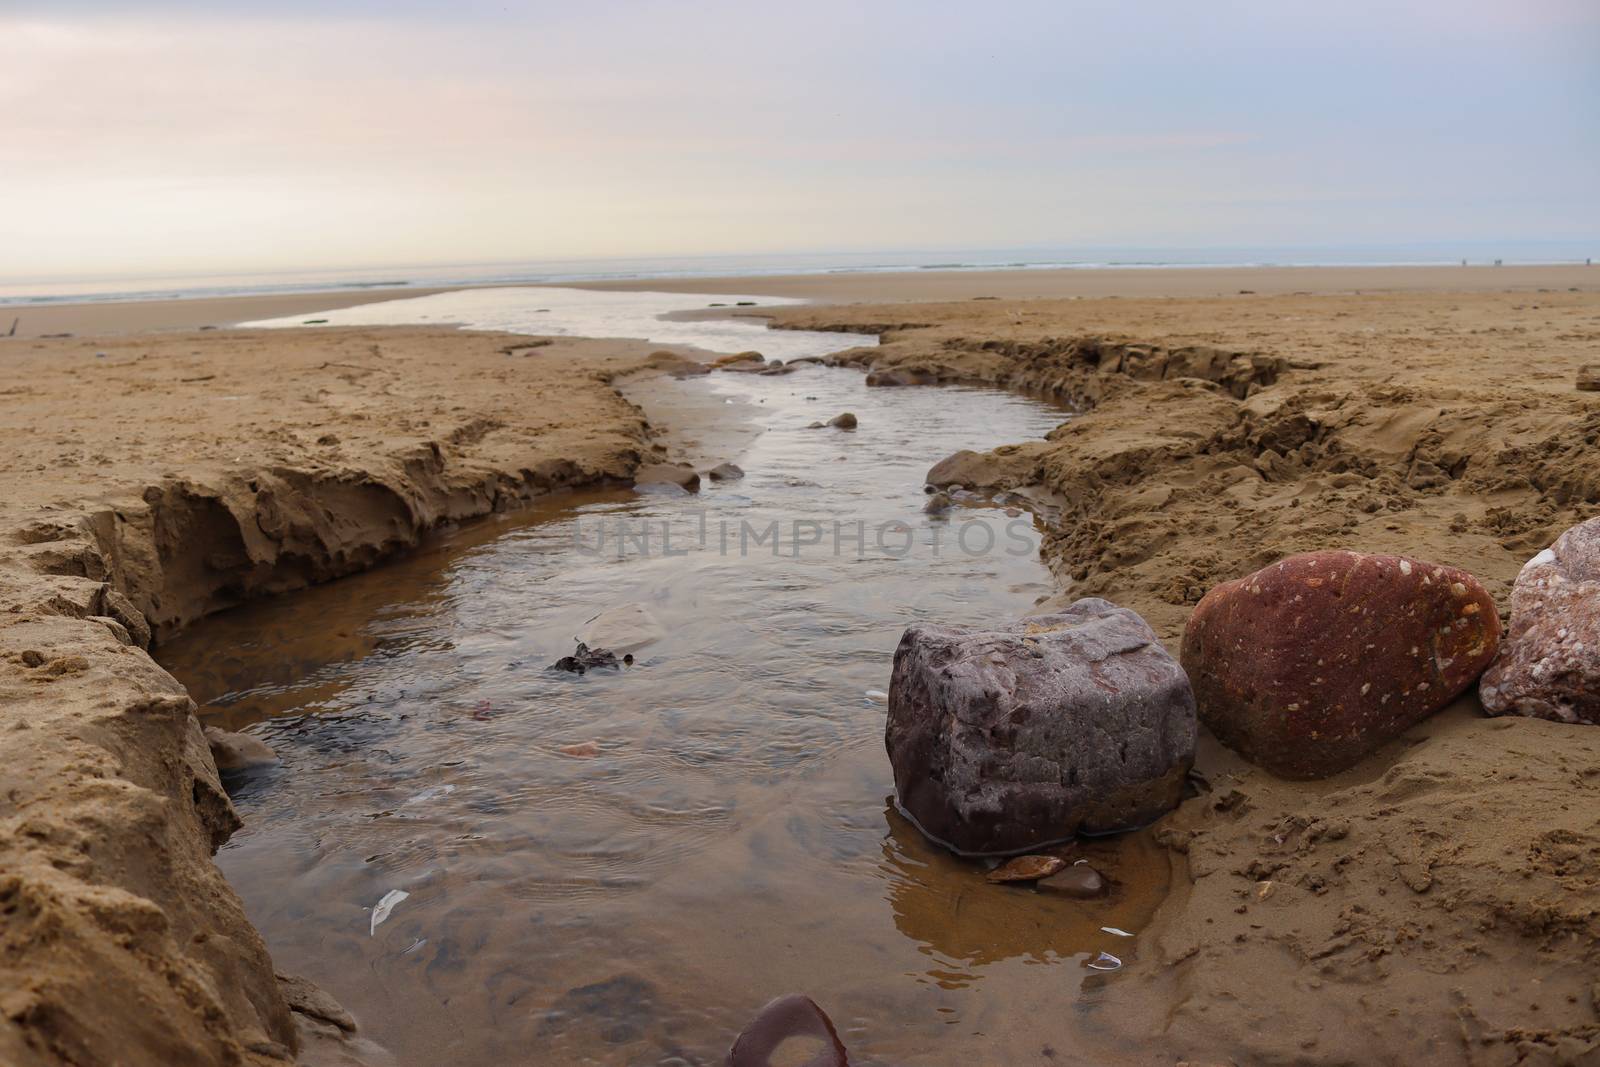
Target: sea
{"type": "Point", "coordinates": [22, 291]}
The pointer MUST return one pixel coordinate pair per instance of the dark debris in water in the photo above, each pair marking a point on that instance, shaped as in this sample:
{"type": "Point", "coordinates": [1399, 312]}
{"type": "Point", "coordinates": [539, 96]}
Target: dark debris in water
{"type": "Point", "coordinates": [588, 659]}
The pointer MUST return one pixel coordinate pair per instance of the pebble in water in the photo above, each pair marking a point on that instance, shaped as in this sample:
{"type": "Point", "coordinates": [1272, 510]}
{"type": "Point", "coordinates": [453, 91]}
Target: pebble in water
{"type": "Point", "coordinates": [1026, 869]}
{"type": "Point", "coordinates": [1081, 881]}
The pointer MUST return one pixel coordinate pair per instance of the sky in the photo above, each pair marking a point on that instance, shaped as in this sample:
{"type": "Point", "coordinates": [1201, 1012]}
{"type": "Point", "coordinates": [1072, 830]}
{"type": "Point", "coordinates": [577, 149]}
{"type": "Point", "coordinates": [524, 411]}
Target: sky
{"type": "Point", "coordinates": [226, 135]}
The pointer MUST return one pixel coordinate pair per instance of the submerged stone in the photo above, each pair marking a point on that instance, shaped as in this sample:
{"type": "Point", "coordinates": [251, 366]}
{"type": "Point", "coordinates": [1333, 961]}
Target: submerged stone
{"type": "Point", "coordinates": [1011, 738]}
{"type": "Point", "coordinates": [238, 752]}
{"type": "Point", "coordinates": [667, 474]}
{"type": "Point", "coordinates": [1026, 869]}
{"type": "Point", "coordinates": [1081, 882]}
{"type": "Point", "coordinates": [623, 628]}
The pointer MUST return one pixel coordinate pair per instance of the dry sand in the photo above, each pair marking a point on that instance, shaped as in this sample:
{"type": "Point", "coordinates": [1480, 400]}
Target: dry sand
{"type": "Point", "coordinates": [935, 285]}
{"type": "Point", "coordinates": [1440, 903]}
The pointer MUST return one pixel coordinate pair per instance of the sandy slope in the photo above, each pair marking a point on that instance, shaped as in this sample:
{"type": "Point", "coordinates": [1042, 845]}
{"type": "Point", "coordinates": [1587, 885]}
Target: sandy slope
{"type": "Point", "coordinates": [147, 481]}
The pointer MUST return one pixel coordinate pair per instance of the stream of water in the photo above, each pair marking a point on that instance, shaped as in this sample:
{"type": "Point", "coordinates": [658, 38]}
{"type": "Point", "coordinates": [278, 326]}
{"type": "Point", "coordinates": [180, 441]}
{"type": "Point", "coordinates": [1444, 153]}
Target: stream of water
{"type": "Point", "coordinates": [621, 867]}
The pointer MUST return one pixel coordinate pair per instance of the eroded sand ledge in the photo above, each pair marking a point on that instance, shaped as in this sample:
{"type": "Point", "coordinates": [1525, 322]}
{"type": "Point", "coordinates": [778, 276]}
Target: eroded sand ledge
{"type": "Point", "coordinates": [150, 481]}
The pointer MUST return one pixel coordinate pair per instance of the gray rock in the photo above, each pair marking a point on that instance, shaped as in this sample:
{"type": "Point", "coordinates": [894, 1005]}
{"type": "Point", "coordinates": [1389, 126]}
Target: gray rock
{"type": "Point", "coordinates": [725, 472]}
{"type": "Point", "coordinates": [1009, 739]}
{"type": "Point", "coordinates": [1549, 661]}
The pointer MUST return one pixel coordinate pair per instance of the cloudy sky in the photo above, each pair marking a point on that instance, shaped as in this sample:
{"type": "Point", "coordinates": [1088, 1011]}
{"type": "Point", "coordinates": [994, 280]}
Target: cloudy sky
{"type": "Point", "coordinates": [200, 136]}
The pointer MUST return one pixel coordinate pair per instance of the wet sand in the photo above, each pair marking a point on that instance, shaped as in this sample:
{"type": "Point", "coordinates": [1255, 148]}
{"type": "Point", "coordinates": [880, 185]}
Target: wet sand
{"type": "Point", "coordinates": [165, 316]}
{"type": "Point", "coordinates": [885, 287]}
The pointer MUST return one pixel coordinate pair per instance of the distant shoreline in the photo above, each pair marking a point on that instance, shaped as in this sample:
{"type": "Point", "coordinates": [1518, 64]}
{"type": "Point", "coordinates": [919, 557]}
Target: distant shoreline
{"type": "Point", "coordinates": [144, 316]}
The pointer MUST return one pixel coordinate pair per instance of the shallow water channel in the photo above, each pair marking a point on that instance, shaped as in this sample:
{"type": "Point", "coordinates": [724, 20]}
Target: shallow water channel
{"type": "Point", "coordinates": [733, 839]}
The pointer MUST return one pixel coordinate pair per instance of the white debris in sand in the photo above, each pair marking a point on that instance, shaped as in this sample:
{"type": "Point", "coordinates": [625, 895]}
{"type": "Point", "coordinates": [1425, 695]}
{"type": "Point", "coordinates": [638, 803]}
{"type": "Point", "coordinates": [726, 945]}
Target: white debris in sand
{"type": "Point", "coordinates": [385, 906]}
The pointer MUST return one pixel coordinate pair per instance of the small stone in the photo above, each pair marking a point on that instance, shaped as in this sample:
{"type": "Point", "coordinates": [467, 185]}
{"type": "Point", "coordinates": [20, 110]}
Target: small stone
{"type": "Point", "coordinates": [1549, 662]}
{"type": "Point", "coordinates": [937, 504]}
{"type": "Point", "coordinates": [239, 752]}
{"type": "Point", "coordinates": [667, 474]}
{"type": "Point", "coordinates": [582, 750]}
{"type": "Point", "coordinates": [725, 472]}
{"type": "Point", "coordinates": [843, 421]}
{"type": "Point", "coordinates": [32, 657]}
{"type": "Point", "coordinates": [1026, 869]}
{"type": "Point", "coordinates": [1265, 889]}
{"type": "Point", "coordinates": [1079, 881]}
{"type": "Point", "coordinates": [738, 357]}
{"type": "Point", "coordinates": [307, 998]}
{"type": "Point", "coordinates": [1589, 378]}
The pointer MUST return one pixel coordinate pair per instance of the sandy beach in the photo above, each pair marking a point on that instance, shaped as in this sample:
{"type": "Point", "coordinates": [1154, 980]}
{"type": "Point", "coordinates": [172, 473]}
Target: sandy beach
{"type": "Point", "coordinates": [1436, 902]}
{"type": "Point", "coordinates": [848, 288]}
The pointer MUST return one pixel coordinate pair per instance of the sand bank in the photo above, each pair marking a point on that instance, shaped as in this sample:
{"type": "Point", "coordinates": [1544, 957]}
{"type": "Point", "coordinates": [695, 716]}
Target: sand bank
{"type": "Point", "coordinates": [1438, 902]}
{"type": "Point", "coordinates": [154, 316]}
{"type": "Point", "coordinates": [1435, 904]}
{"type": "Point", "coordinates": [151, 480]}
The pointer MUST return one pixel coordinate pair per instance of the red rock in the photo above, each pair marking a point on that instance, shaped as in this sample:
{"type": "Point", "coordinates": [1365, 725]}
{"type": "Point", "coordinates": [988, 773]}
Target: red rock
{"type": "Point", "coordinates": [1306, 666]}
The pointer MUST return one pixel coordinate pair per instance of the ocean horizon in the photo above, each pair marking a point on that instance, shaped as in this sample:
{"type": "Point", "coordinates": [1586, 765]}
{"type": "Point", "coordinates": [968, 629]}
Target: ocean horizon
{"type": "Point", "coordinates": [19, 292]}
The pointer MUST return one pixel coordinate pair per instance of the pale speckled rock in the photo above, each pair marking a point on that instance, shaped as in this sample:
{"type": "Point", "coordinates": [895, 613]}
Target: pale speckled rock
{"type": "Point", "coordinates": [1549, 663]}
{"type": "Point", "coordinates": [1007, 739]}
